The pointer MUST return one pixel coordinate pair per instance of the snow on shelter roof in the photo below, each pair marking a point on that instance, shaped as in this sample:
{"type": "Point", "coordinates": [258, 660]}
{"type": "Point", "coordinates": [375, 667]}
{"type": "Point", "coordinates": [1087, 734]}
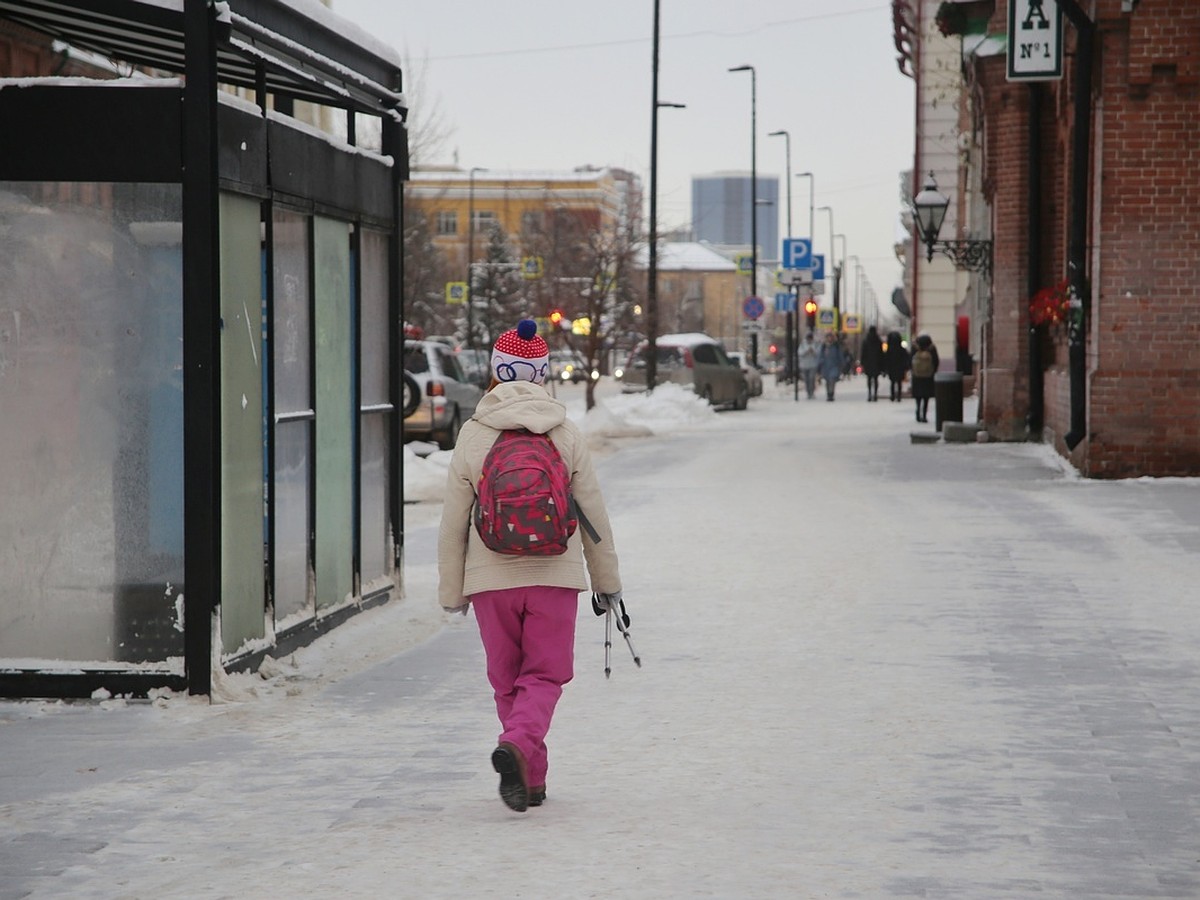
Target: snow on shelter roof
{"type": "Point", "coordinates": [306, 52]}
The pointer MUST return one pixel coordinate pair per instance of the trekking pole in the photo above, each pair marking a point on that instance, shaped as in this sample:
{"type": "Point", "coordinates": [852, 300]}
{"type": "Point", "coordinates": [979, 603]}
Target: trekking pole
{"type": "Point", "coordinates": [608, 644]}
{"type": "Point", "coordinates": [623, 627]}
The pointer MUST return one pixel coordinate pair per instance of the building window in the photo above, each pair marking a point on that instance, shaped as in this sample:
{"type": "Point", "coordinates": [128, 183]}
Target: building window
{"type": "Point", "coordinates": [484, 220]}
{"type": "Point", "coordinates": [532, 222]}
{"type": "Point", "coordinates": [447, 223]}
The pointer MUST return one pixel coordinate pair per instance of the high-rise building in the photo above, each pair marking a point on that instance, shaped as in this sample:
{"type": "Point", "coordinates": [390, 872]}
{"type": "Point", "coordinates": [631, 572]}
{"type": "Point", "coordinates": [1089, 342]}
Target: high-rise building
{"type": "Point", "coordinates": [721, 211]}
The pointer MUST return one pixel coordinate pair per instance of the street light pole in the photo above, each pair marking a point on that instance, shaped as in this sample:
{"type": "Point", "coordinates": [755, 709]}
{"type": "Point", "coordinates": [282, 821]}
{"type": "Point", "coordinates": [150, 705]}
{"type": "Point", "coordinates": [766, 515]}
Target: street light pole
{"type": "Point", "coordinates": [652, 268]}
{"type": "Point", "coordinates": [839, 274]}
{"type": "Point", "coordinates": [832, 263]}
{"type": "Point", "coordinates": [787, 139]}
{"type": "Point", "coordinates": [812, 191]}
{"type": "Point", "coordinates": [471, 256]}
{"type": "Point", "coordinates": [753, 196]}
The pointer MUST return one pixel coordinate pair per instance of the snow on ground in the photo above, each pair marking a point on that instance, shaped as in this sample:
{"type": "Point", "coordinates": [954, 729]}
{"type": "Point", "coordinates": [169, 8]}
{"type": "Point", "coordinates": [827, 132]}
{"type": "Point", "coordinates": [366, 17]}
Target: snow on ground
{"type": "Point", "coordinates": [871, 669]}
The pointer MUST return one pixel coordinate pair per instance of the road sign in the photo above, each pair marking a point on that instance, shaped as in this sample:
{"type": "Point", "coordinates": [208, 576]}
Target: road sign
{"type": "Point", "coordinates": [827, 317]}
{"type": "Point", "coordinates": [1035, 40]}
{"type": "Point", "coordinates": [531, 267]}
{"type": "Point", "coordinates": [743, 261]}
{"type": "Point", "coordinates": [797, 253]}
{"type": "Point", "coordinates": [753, 307]}
{"type": "Point", "coordinates": [795, 276]}
{"type": "Point", "coordinates": [852, 323]}
{"type": "Point", "coordinates": [785, 303]}
{"type": "Point", "coordinates": [818, 266]}
{"type": "Point", "coordinates": [456, 292]}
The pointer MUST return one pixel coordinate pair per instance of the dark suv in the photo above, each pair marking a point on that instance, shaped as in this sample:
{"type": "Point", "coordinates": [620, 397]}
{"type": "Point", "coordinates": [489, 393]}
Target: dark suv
{"type": "Point", "coordinates": [695, 360]}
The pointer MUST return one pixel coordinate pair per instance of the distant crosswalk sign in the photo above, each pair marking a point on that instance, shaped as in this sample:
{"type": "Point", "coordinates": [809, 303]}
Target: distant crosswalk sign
{"type": "Point", "coordinates": [531, 267]}
{"type": "Point", "coordinates": [456, 292]}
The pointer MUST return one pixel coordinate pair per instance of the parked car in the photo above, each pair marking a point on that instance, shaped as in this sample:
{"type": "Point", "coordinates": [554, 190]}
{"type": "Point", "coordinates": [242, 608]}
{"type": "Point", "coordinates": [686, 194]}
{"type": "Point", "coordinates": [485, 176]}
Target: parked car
{"type": "Point", "coordinates": [753, 375]}
{"type": "Point", "coordinates": [476, 365]}
{"type": "Point", "coordinates": [448, 398]}
{"type": "Point", "coordinates": [569, 365]}
{"type": "Point", "coordinates": [695, 360]}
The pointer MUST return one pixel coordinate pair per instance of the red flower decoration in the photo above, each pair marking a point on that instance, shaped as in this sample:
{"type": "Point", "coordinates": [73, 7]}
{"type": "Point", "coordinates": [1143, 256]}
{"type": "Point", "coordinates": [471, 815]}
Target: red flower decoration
{"type": "Point", "coordinates": [1050, 306]}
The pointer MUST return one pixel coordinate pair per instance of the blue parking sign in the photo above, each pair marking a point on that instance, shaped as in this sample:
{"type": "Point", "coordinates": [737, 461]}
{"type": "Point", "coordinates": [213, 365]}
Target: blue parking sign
{"type": "Point", "coordinates": [818, 266]}
{"type": "Point", "coordinates": [797, 253]}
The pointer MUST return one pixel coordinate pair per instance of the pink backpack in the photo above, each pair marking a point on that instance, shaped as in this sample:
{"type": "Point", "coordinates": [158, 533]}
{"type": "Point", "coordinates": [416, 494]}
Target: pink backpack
{"type": "Point", "coordinates": [524, 505]}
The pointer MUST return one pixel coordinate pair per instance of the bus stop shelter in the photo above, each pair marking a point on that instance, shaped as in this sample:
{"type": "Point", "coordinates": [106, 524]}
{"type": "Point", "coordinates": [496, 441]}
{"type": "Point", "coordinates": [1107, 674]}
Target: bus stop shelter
{"type": "Point", "coordinates": [200, 367]}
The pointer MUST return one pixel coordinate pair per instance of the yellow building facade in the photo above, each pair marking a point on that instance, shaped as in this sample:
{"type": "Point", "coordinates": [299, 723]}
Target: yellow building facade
{"type": "Point", "coordinates": [529, 206]}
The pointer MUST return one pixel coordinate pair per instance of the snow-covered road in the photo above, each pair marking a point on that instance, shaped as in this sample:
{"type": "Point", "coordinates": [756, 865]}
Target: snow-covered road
{"type": "Point", "coordinates": [871, 669]}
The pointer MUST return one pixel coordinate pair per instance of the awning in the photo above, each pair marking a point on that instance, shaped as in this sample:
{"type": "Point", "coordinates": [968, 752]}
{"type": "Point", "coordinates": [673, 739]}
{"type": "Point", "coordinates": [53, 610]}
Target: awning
{"type": "Point", "coordinates": [304, 51]}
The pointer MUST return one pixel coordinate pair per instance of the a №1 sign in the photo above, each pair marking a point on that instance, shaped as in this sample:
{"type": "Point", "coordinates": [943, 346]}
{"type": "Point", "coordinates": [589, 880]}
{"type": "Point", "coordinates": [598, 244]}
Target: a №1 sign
{"type": "Point", "coordinates": [1035, 40]}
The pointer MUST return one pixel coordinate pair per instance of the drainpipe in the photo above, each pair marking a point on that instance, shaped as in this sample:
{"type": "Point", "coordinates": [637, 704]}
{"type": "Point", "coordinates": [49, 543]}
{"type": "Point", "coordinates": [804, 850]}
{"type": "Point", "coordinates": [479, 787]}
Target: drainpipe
{"type": "Point", "coordinates": [1037, 404]}
{"type": "Point", "coordinates": [1077, 236]}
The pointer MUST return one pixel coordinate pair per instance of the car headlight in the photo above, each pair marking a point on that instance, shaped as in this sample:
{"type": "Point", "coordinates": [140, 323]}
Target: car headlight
{"type": "Point", "coordinates": [618, 373]}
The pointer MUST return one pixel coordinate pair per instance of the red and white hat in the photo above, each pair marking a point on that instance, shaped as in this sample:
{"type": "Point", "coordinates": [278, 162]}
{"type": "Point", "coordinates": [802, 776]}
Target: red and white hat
{"type": "Point", "coordinates": [521, 354]}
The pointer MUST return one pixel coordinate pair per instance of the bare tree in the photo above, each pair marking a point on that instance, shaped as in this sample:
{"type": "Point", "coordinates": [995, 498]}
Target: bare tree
{"type": "Point", "coordinates": [425, 277]}
{"type": "Point", "coordinates": [589, 274]}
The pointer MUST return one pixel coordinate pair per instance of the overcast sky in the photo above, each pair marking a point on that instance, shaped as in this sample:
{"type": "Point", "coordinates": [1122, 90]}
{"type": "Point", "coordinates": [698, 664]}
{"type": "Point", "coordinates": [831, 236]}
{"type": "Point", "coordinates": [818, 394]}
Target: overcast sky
{"type": "Point", "coordinates": [543, 84]}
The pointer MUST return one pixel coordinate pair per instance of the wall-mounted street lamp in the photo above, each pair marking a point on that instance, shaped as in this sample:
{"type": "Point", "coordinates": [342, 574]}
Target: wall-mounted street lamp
{"type": "Point", "coordinates": [929, 211]}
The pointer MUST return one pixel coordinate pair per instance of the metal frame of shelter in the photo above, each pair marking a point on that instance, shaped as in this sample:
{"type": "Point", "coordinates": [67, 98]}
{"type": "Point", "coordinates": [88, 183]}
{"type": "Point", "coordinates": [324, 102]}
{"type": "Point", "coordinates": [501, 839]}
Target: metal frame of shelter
{"type": "Point", "coordinates": [185, 135]}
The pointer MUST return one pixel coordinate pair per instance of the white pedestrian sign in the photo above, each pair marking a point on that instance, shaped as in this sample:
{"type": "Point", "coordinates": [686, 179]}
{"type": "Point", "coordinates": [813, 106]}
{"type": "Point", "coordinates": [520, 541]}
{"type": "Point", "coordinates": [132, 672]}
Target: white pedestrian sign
{"type": "Point", "coordinates": [1035, 40]}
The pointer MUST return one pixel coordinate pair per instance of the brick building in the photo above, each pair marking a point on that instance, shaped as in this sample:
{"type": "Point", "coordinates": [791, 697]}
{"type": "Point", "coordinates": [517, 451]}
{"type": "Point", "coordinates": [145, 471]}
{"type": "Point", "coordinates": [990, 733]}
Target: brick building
{"type": "Point", "coordinates": [1121, 202]}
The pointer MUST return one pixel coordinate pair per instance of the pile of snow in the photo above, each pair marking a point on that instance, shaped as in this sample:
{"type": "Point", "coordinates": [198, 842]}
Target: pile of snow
{"type": "Point", "coordinates": [425, 476]}
{"type": "Point", "coordinates": [670, 408]}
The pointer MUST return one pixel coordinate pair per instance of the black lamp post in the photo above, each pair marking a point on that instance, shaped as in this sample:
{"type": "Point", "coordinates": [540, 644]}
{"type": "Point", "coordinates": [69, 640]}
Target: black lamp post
{"type": "Point", "coordinates": [929, 211]}
{"type": "Point", "coordinates": [652, 267]}
{"type": "Point", "coordinates": [753, 195]}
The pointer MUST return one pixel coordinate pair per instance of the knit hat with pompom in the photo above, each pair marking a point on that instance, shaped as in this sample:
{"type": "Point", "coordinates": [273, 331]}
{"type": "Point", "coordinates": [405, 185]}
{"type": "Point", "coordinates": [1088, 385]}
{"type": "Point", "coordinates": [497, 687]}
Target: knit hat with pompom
{"type": "Point", "coordinates": [521, 354]}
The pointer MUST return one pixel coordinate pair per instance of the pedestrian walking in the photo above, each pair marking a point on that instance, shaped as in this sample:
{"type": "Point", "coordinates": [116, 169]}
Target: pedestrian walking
{"type": "Point", "coordinates": [871, 357]}
{"type": "Point", "coordinates": [830, 363]}
{"type": "Point", "coordinates": [895, 364]}
{"type": "Point", "coordinates": [525, 600]}
{"type": "Point", "coordinates": [924, 367]}
{"type": "Point", "coordinates": [808, 356]}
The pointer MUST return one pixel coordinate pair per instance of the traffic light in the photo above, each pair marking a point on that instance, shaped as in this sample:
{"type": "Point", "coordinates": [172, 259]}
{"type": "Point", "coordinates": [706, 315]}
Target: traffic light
{"type": "Point", "coordinates": [556, 317]}
{"type": "Point", "coordinates": [810, 311]}
{"type": "Point", "coordinates": [773, 350]}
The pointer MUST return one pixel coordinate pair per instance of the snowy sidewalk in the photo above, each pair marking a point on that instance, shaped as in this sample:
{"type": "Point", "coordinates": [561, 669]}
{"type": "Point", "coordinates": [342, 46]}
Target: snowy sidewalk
{"type": "Point", "coordinates": [872, 669]}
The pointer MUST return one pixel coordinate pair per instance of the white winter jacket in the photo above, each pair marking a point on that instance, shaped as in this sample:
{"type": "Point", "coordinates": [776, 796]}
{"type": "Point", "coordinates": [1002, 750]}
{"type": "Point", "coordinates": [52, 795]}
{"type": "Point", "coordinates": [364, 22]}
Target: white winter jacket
{"type": "Point", "coordinates": [465, 565]}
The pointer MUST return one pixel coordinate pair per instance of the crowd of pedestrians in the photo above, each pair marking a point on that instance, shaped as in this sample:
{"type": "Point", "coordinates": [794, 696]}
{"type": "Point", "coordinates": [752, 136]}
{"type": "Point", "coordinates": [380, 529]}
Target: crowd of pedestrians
{"type": "Point", "coordinates": [828, 361]}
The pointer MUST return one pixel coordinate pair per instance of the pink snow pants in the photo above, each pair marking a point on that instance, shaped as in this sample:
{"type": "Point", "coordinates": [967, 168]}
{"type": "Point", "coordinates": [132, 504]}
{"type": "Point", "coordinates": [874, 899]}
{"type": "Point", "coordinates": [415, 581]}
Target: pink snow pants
{"type": "Point", "coordinates": [529, 638]}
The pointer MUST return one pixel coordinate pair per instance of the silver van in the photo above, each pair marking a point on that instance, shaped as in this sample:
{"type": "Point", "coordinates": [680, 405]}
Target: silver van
{"type": "Point", "coordinates": [695, 360]}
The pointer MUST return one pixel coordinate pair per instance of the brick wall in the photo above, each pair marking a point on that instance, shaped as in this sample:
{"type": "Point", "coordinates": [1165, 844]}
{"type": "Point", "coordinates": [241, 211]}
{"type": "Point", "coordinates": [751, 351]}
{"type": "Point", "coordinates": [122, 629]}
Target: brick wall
{"type": "Point", "coordinates": [1143, 341]}
{"type": "Point", "coordinates": [25, 53]}
{"type": "Point", "coordinates": [1005, 367]}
